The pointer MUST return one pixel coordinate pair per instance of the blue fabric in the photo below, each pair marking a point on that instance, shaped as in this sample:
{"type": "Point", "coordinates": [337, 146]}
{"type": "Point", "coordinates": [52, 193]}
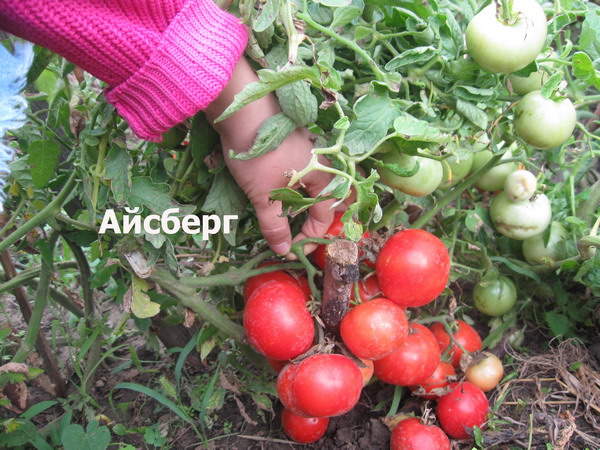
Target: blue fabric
{"type": "Point", "coordinates": [13, 74]}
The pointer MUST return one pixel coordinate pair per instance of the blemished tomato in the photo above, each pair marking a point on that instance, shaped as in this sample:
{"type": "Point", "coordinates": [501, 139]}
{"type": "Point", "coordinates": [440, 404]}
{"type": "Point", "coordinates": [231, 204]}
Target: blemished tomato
{"type": "Point", "coordinates": [368, 288]}
{"type": "Point", "coordinates": [485, 371]}
{"type": "Point", "coordinates": [424, 182]}
{"type": "Point", "coordinates": [542, 122]}
{"type": "Point", "coordinates": [411, 434]}
{"type": "Point", "coordinates": [536, 252]}
{"type": "Point", "coordinates": [520, 220]}
{"type": "Point", "coordinates": [327, 385]}
{"type": "Point", "coordinates": [465, 406]}
{"type": "Point", "coordinates": [277, 322]}
{"type": "Point", "coordinates": [253, 283]}
{"type": "Point", "coordinates": [413, 268]}
{"type": "Point", "coordinates": [495, 297]}
{"type": "Point", "coordinates": [440, 378]}
{"type": "Point", "coordinates": [501, 47]}
{"type": "Point", "coordinates": [465, 335]}
{"type": "Point", "coordinates": [520, 186]}
{"type": "Point", "coordinates": [374, 329]}
{"type": "Point", "coordinates": [319, 256]}
{"type": "Point", "coordinates": [413, 361]}
{"type": "Point", "coordinates": [493, 179]}
{"type": "Point", "coordinates": [303, 429]}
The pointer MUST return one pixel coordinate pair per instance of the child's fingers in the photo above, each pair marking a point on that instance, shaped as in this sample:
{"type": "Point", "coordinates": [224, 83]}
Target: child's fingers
{"type": "Point", "coordinates": [320, 218]}
{"type": "Point", "coordinates": [275, 229]}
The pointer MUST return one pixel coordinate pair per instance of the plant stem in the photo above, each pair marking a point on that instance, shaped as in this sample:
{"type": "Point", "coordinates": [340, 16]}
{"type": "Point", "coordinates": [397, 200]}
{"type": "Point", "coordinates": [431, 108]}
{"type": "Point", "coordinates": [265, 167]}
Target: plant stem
{"type": "Point", "coordinates": [50, 210]}
{"type": "Point", "coordinates": [41, 300]}
{"type": "Point", "coordinates": [59, 298]}
{"type": "Point", "coordinates": [13, 217]}
{"type": "Point", "coordinates": [29, 274]}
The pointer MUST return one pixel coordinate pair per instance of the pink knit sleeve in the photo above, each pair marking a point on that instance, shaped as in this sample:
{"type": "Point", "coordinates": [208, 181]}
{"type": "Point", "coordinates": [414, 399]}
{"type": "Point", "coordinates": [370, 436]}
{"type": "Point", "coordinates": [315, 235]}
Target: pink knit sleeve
{"type": "Point", "coordinates": [164, 60]}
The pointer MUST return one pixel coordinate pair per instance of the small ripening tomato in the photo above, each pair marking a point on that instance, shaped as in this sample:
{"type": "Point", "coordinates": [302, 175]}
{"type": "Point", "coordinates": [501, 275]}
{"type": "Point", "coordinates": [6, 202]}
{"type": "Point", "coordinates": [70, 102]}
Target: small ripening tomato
{"type": "Point", "coordinates": [374, 329]}
{"type": "Point", "coordinates": [413, 361]}
{"type": "Point", "coordinates": [304, 430]}
{"type": "Point", "coordinates": [485, 371]}
{"type": "Point", "coordinates": [465, 335]}
{"type": "Point", "coordinates": [440, 378]}
{"type": "Point", "coordinates": [368, 288]}
{"type": "Point", "coordinates": [413, 268]}
{"type": "Point", "coordinates": [326, 385]}
{"type": "Point", "coordinates": [464, 406]}
{"type": "Point", "coordinates": [544, 123]}
{"type": "Point", "coordinates": [411, 434]}
{"type": "Point", "coordinates": [277, 322]}
{"type": "Point", "coordinates": [495, 297]}
{"type": "Point", "coordinates": [319, 256]}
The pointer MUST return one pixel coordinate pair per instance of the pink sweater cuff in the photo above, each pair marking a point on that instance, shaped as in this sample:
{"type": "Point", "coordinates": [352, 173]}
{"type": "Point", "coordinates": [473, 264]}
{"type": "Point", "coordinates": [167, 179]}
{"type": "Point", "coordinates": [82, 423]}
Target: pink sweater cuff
{"type": "Point", "coordinates": [185, 73]}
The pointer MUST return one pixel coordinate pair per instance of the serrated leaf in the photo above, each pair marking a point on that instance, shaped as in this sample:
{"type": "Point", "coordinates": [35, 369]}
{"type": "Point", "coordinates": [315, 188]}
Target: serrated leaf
{"type": "Point", "coordinates": [557, 322]}
{"type": "Point", "coordinates": [475, 94]}
{"type": "Point", "coordinates": [43, 159]}
{"type": "Point", "coordinates": [413, 56]}
{"type": "Point", "coordinates": [298, 103]}
{"type": "Point", "coordinates": [19, 171]}
{"type": "Point", "coordinates": [155, 196]}
{"type": "Point", "coordinates": [93, 438]}
{"type": "Point", "coordinates": [343, 16]}
{"type": "Point", "coordinates": [271, 133]}
{"type": "Point", "coordinates": [118, 165]}
{"type": "Point", "coordinates": [473, 113]}
{"type": "Point", "coordinates": [410, 128]}
{"type": "Point", "coordinates": [292, 201]}
{"type": "Point", "coordinates": [267, 15]}
{"type": "Point", "coordinates": [551, 85]}
{"type": "Point", "coordinates": [141, 305]}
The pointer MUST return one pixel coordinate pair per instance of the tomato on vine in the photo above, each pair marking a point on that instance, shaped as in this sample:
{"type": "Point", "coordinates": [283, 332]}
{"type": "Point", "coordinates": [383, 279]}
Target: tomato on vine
{"type": "Point", "coordinates": [304, 430]}
{"type": "Point", "coordinates": [465, 335]}
{"type": "Point", "coordinates": [485, 371]}
{"type": "Point", "coordinates": [411, 434]}
{"type": "Point", "coordinates": [495, 297]}
{"type": "Point", "coordinates": [465, 406]}
{"type": "Point", "coordinates": [439, 379]}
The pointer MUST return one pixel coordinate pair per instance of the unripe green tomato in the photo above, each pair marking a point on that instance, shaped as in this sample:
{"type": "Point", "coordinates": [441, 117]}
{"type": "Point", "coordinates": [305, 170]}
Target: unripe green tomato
{"type": "Point", "coordinates": [494, 179]}
{"type": "Point", "coordinates": [456, 167]}
{"type": "Point", "coordinates": [520, 185]}
{"type": "Point", "coordinates": [542, 122]}
{"type": "Point", "coordinates": [524, 85]}
{"type": "Point", "coordinates": [424, 182]}
{"type": "Point", "coordinates": [537, 253]}
{"type": "Point", "coordinates": [496, 297]}
{"type": "Point", "coordinates": [520, 220]}
{"type": "Point", "coordinates": [507, 47]}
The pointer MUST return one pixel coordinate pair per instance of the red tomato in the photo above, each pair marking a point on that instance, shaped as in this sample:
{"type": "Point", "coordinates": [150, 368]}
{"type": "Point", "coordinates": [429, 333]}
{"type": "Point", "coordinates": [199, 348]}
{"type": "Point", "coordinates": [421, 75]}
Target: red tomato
{"type": "Point", "coordinates": [367, 289]}
{"type": "Point", "coordinates": [277, 322]}
{"type": "Point", "coordinates": [303, 429]}
{"type": "Point", "coordinates": [413, 268]}
{"type": "Point", "coordinates": [285, 389]}
{"type": "Point", "coordinates": [465, 335]}
{"type": "Point", "coordinates": [366, 372]}
{"type": "Point", "coordinates": [438, 379]}
{"type": "Point", "coordinates": [465, 406]}
{"type": "Point", "coordinates": [326, 385]}
{"type": "Point", "coordinates": [411, 434]}
{"type": "Point", "coordinates": [319, 256]}
{"type": "Point", "coordinates": [276, 365]}
{"type": "Point", "coordinates": [253, 283]}
{"type": "Point", "coordinates": [303, 282]}
{"type": "Point", "coordinates": [374, 329]}
{"type": "Point", "coordinates": [413, 361]}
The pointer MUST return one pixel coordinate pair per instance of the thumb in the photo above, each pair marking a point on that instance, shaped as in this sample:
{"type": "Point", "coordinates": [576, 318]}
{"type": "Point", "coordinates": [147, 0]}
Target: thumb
{"type": "Point", "coordinates": [275, 229]}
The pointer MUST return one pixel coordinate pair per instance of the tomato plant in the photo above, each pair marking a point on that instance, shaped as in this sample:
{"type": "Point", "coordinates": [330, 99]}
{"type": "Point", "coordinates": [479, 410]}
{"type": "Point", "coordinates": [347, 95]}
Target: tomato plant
{"type": "Point", "coordinates": [464, 335]}
{"type": "Point", "coordinates": [304, 430]}
{"type": "Point", "coordinates": [413, 268]}
{"type": "Point", "coordinates": [495, 297]}
{"type": "Point", "coordinates": [412, 434]}
{"type": "Point", "coordinates": [465, 406]}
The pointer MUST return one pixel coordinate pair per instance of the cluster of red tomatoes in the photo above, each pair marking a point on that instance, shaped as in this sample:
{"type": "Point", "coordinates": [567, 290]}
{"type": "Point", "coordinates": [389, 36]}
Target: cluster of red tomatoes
{"type": "Point", "coordinates": [412, 269]}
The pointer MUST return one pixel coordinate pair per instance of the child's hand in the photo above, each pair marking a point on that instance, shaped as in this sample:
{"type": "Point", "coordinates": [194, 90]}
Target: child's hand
{"type": "Point", "coordinates": [258, 176]}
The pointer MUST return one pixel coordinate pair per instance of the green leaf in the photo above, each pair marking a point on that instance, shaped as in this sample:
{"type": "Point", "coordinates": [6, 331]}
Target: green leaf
{"type": "Point", "coordinates": [203, 138]}
{"type": "Point", "coordinates": [38, 408]}
{"type": "Point", "coordinates": [118, 164]}
{"type": "Point", "coordinates": [361, 32]}
{"type": "Point", "coordinates": [141, 305]}
{"type": "Point", "coordinates": [375, 113]}
{"type": "Point", "coordinates": [267, 15]}
{"type": "Point", "coordinates": [41, 59]}
{"type": "Point", "coordinates": [410, 128]}
{"type": "Point", "coordinates": [551, 85]}
{"type": "Point", "coordinates": [334, 3]}
{"type": "Point", "coordinates": [343, 16]}
{"type": "Point", "coordinates": [93, 438]}
{"type": "Point", "coordinates": [154, 196]}
{"type": "Point", "coordinates": [398, 170]}
{"type": "Point", "coordinates": [271, 133]}
{"type": "Point", "coordinates": [18, 433]}
{"type": "Point", "coordinates": [226, 198]}
{"type": "Point", "coordinates": [43, 159]}
{"type": "Point", "coordinates": [298, 103]}
{"type": "Point", "coordinates": [270, 81]}
{"type": "Point", "coordinates": [589, 40]}
{"type": "Point", "coordinates": [584, 69]}
{"type": "Point", "coordinates": [292, 201]}
{"type": "Point", "coordinates": [557, 322]}
{"type": "Point", "coordinates": [19, 171]}
{"type": "Point", "coordinates": [473, 113]}
{"type": "Point", "coordinates": [416, 55]}
{"type": "Point", "coordinates": [101, 276]}
{"type": "Point", "coordinates": [475, 94]}
{"type": "Point", "coordinates": [517, 268]}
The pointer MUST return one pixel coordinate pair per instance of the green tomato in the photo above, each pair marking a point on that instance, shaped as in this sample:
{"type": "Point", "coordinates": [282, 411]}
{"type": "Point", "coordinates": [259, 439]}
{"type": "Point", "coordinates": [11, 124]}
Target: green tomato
{"type": "Point", "coordinates": [501, 47]}
{"type": "Point", "coordinates": [424, 182]}
{"type": "Point", "coordinates": [494, 179]}
{"type": "Point", "coordinates": [520, 220]}
{"type": "Point", "coordinates": [520, 185]}
{"type": "Point", "coordinates": [456, 167]}
{"type": "Point", "coordinates": [495, 298]}
{"type": "Point", "coordinates": [524, 85]}
{"type": "Point", "coordinates": [542, 122]}
{"type": "Point", "coordinates": [536, 253]}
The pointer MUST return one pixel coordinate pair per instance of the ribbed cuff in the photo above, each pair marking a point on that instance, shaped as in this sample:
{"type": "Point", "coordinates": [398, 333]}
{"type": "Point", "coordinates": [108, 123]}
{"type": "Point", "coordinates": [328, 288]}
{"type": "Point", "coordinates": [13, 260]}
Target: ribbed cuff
{"type": "Point", "coordinates": [185, 73]}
